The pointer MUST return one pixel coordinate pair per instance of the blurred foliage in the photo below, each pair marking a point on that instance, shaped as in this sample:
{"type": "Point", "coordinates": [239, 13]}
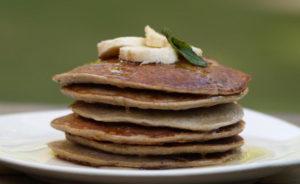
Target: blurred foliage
{"type": "Point", "coordinates": [41, 38]}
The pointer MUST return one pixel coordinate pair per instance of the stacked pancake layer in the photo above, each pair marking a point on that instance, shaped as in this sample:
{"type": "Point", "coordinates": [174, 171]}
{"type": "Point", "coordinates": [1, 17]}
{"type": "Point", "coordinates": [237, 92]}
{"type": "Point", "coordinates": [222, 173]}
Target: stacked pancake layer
{"type": "Point", "coordinates": [151, 116]}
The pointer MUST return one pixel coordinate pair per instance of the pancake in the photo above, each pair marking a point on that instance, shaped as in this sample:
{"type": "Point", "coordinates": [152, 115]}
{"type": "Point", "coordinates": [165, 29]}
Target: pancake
{"type": "Point", "coordinates": [86, 156]}
{"type": "Point", "coordinates": [215, 146]}
{"type": "Point", "coordinates": [126, 133]}
{"type": "Point", "coordinates": [144, 99]}
{"type": "Point", "coordinates": [200, 119]}
{"type": "Point", "coordinates": [181, 77]}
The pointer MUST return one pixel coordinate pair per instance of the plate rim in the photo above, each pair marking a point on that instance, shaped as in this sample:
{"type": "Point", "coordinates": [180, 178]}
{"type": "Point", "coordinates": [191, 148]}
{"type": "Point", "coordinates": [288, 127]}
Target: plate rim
{"type": "Point", "coordinates": [149, 173]}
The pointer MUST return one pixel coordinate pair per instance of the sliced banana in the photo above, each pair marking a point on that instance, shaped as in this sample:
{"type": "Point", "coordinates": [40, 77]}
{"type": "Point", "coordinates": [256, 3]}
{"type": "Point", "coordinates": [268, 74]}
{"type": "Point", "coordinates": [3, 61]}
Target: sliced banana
{"type": "Point", "coordinates": [198, 51]}
{"type": "Point", "coordinates": [145, 55]}
{"type": "Point", "coordinates": [154, 48]}
{"type": "Point", "coordinates": [155, 39]}
{"type": "Point", "coordinates": [110, 48]}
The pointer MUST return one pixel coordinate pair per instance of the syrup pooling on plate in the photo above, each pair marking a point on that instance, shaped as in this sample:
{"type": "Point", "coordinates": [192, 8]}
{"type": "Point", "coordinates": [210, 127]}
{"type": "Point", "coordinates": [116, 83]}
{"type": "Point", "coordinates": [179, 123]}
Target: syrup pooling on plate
{"type": "Point", "coordinates": [253, 153]}
{"type": "Point", "coordinates": [37, 153]}
{"type": "Point", "coordinates": [34, 150]}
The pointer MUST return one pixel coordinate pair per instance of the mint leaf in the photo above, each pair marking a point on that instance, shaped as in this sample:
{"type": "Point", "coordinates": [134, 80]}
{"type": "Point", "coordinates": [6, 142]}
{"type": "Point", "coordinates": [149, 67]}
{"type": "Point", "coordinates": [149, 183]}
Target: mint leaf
{"type": "Point", "coordinates": [184, 49]}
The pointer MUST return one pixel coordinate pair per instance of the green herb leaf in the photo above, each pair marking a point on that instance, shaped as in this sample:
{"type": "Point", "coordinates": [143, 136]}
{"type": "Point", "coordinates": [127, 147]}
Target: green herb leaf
{"type": "Point", "coordinates": [184, 49]}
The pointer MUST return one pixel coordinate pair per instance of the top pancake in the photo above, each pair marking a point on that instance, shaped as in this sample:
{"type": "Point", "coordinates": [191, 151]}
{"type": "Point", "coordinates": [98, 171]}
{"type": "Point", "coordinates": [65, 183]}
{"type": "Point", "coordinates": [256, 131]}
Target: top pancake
{"type": "Point", "coordinates": [181, 77]}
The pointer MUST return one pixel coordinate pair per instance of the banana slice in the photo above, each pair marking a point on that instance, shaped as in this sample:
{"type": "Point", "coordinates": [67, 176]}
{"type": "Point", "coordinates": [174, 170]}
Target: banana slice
{"type": "Point", "coordinates": [154, 48]}
{"type": "Point", "coordinates": [145, 55]}
{"type": "Point", "coordinates": [155, 39]}
{"type": "Point", "coordinates": [109, 48]}
{"type": "Point", "coordinates": [198, 51]}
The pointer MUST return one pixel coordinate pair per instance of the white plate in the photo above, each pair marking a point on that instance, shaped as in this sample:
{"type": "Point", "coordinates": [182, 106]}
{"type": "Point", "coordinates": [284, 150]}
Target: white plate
{"type": "Point", "coordinates": [271, 145]}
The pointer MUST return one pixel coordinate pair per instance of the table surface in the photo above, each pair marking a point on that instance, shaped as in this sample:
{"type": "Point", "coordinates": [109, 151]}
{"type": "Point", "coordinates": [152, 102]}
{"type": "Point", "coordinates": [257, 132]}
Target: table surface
{"type": "Point", "coordinates": [9, 176]}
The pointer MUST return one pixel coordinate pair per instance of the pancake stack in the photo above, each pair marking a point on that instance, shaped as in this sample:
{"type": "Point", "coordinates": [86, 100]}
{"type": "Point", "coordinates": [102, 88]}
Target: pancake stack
{"type": "Point", "coordinates": [151, 116]}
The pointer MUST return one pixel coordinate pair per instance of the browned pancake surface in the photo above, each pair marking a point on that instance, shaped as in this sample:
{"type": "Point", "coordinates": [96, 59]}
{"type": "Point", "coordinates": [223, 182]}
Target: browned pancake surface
{"type": "Point", "coordinates": [181, 77]}
{"type": "Point", "coordinates": [136, 134]}
{"type": "Point", "coordinates": [122, 129]}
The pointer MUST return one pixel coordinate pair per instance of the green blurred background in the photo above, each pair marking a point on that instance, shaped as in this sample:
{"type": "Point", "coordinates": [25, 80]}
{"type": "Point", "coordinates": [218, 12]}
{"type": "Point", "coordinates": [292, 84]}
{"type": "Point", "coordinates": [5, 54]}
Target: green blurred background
{"type": "Point", "coordinates": [41, 38]}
